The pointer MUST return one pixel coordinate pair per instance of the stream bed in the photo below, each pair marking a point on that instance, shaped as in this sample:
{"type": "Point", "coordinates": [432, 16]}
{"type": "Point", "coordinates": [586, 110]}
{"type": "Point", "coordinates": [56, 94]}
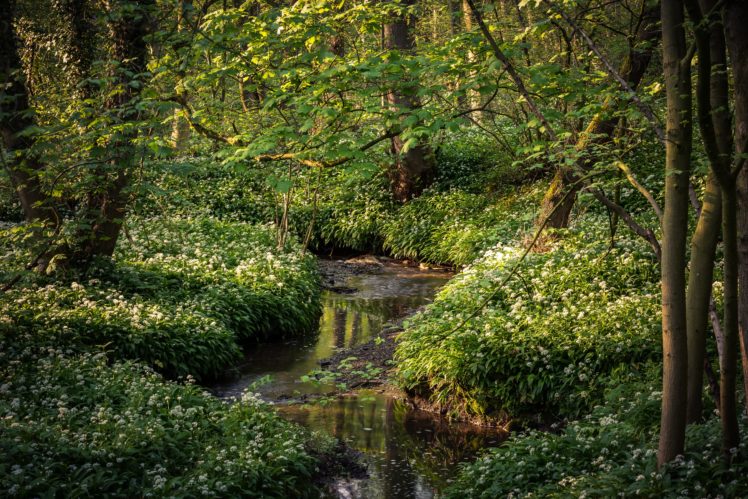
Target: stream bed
{"type": "Point", "coordinates": [408, 453]}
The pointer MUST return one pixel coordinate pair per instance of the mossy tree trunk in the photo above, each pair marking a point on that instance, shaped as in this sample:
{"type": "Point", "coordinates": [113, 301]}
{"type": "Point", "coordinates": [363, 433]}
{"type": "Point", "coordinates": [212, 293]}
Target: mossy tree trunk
{"type": "Point", "coordinates": [600, 130]}
{"type": "Point", "coordinates": [23, 165]}
{"type": "Point", "coordinates": [128, 26]}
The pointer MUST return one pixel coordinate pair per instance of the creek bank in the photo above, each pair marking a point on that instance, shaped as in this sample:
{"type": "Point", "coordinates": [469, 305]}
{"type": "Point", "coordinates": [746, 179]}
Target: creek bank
{"type": "Point", "coordinates": [371, 364]}
{"type": "Point", "coordinates": [406, 452]}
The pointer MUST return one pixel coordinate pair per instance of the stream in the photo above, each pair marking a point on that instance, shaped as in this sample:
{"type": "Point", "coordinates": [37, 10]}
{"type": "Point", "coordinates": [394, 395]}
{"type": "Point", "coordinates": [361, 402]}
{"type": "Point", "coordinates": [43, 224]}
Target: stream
{"type": "Point", "coordinates": [408, 453]}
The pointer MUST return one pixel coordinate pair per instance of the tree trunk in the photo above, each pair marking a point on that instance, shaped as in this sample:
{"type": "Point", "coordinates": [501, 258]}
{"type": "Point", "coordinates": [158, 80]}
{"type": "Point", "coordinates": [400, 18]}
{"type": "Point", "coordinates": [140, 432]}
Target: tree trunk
{"type": "Point", "coordinates": [735, 19]}
{"type": "Point", "coordinates": [600, 131]}
{"type": "Point", "coordinates": [473, 97]}
{"type": "Point", "coordinates": [700, 278]}
{"type": "Point", "coordinates": [728, 360]}
{"type": "Point", "coordinates": [180, 133]}
{"type": "Point", "coordinates": [674, 233]}
{"type": "Point", "coordinates": [414, 168]}
{"type": "Point", "coordinates": [106, 207]}
{"type": "Point", "coordinates": [714, 120]}
{"type": "Point", "coordinates": [23, 166]}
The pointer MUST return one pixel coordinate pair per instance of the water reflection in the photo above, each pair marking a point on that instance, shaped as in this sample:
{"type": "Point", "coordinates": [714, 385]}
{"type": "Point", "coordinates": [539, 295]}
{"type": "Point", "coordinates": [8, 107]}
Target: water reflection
{"type": "Point", "coordinates": [410, 454]}
{"type": "Point", "coordinates": [348, 320]}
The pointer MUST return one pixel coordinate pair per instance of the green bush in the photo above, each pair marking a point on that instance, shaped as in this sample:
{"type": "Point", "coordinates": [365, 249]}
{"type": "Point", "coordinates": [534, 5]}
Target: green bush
{"type": "Point", "coordinates": [609, 453]}
{"type": "Point", "coordinates": [546, 341]}
{"type": "Point", "coordinates": [75, 425]}
{"type": "Point", "coordinates": [171, 338]}
{"type": "Point", "coordinates": [455, 227]}
{"type": "Point", "coordinates": [179, 296]}
{"type": "Point", "coordinates": [230, 271]}
{"type": "Point", "coordinates": [475, 162]}
{"type": "Point", "coordinates": [201, 186]}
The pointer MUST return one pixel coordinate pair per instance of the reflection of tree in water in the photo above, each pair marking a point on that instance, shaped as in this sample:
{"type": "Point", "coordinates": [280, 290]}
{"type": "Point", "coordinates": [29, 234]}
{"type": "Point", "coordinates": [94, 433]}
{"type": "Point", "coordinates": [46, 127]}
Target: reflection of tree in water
{"type": "Point", "coordinates": [408, 449]}
{"type": "Point", "coordinates": [338, 328]}
{"type": "Point", "coordinates": [384, 308]}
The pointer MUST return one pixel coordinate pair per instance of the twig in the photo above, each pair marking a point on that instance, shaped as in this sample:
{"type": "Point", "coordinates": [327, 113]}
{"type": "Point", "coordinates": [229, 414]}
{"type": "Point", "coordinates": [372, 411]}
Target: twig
{"type": "Point", "coordinates": [643, 190]}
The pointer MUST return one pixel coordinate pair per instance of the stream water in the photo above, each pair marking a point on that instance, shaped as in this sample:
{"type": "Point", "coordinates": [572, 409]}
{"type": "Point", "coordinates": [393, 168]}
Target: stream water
{"type": "Point", "coordinates": [408, 453]}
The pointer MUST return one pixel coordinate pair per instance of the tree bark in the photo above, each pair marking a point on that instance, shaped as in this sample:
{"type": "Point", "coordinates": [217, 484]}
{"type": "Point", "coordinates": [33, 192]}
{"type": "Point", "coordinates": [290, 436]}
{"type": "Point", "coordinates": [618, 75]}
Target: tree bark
{"type": "Point", "coordinates": [181, 127]}
{"type": "Point", "coordinates": [716, 129]}
{"type": "Point", "coordinates": [107, 206]}
{"type": "Point", "coordinates": [700, 278]}
{"type": "Point", "coordinates": [414, 169]}
{"type": "Point", "coordinates": [735, 19]}
{"type": "Point", "coordinates": [674, 229]}
{"type": "Point", "coordinates": [16, 116]}
{"type": "Point", "coordinates": [600, 131]}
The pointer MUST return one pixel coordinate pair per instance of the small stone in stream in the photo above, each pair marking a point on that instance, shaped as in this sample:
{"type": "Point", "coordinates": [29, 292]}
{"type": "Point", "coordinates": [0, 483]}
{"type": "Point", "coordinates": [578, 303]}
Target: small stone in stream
{"type": "Point", "coordinates": [325, 363]}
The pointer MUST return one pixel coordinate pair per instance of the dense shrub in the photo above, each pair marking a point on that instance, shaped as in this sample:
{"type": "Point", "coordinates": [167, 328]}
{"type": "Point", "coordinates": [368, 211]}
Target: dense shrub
{"type": "Point", "coordinates": [201, 186]}
{"type": "Point", "coordinates": [475, 162]}
{"type": "Point", "coordinates": [74, 425]}
{"type": "Point", "coordinates": [179, 296]}
{"type": "Point", "coordinates": [609, 453]}
{"type": "Point", "coordinates": [230, 271]}
{"type": "Point", "coordinates": [455, 227]}
{"type": "Point", "coordinates": [174, 339]}
{"type": "Point", "coordinates": [543, 343]}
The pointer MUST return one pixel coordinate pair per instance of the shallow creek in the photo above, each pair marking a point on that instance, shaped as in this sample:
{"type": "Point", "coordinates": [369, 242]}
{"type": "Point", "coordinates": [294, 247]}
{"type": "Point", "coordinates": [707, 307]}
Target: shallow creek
{"type": "Point", "coordinates": [408, 453]}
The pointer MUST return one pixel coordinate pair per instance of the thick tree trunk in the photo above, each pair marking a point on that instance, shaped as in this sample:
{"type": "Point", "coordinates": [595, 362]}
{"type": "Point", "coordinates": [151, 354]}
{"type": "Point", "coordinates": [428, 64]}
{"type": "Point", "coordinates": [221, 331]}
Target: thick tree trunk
{"type": "Point", "coordinates": [107, 206]}
{"type": "Point", "coordinates": [600, 130]}
{"type": "Point", "coordinates": [735, 19]}
{"type": "Point", "coordinates": [674, 233]}
{"type": "Point", "coordinates": [700, 278]}
{"type": "Point", "coordinates": [414, 168]}
{"type": "Point", "coordinates": [81, 43]}
{"type": "Point", "coordinates": [16, 116]}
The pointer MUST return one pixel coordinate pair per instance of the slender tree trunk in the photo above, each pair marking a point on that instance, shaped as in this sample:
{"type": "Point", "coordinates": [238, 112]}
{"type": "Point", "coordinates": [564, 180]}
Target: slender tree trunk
{"type": "Point", "coordinates": [414, 168]}
{"type": "Point", "coordinates": [473, 97]}
{"type": "Point", "coordinates": [729, 357]}
{"type": "Point", "coordinates": [735, 19]}
{"type": "Point", "coordinates": [674, 232]}
{"type": "Point", "coordinates": [700, 278]}
{"type": "Point", "coordinates": [714, 120]}
{"type": "Point", "coordinates": [181, 127]}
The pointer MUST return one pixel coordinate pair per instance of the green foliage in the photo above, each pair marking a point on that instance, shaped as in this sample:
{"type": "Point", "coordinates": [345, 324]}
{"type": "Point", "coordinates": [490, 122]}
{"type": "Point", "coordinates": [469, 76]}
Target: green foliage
{"type": "Point", "coordinates": [546, 341]}
{"type": "Point", "coordinates": [76, 425]}
{"type": "Point", "coordinates": [200, 186]}
{"type": "Point", "coordinates": [475, 162]}
{"type": "Point", "coordinates": [455, 227]}
{"type": "Point", "coordinates": [609, 453]}
{"type": "Point", "coordinates": [179, 297]}
{"type": "Point", "coordinates": [230, 271]}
